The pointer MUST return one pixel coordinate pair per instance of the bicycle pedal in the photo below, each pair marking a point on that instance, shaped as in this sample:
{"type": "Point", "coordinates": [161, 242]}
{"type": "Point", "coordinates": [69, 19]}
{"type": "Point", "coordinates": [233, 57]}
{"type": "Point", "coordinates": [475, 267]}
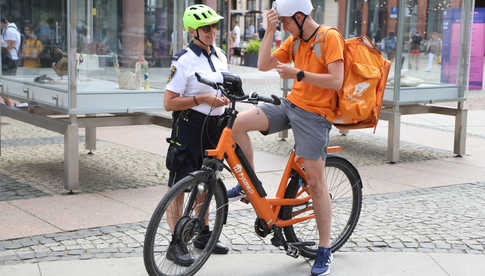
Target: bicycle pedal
{"type": "Point", "coordinates": [298, 244]}
{"type": "Point", "coordinates": [245, 200]}
{"type": "Point", "coordinates": [292, 251]}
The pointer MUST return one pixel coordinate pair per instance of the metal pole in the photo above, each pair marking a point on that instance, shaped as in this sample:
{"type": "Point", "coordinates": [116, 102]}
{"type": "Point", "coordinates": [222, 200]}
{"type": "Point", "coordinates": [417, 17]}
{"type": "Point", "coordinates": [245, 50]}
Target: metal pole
{"type": "Point", "coordinates": [347, 17]}
{"type": "Point", "coordinates": [394, 127]}
{"type": "Point", "coordinates": [464, 54]}
{"type": "Point", "coordinates": [282, 135]}
{"type": "Point", "coordinates": [179, 7]}
{"type": "Point", "coordinates": [72, 19]}
{"type": "Point", "coordinates": [228, 31]}
{"type": "Point", "coordinates": [89, 19]}
{"type": "Point", "coordinates": [459, 146]}
{"type": "Point", "coordinates": [399, 51]}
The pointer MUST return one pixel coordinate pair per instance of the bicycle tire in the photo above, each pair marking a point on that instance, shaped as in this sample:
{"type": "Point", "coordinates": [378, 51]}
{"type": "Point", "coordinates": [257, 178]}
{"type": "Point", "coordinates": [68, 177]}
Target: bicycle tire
{"type": "Point", "coordinates": [153, 251]}
{"type": "Point", "coordinates": [337, 169]}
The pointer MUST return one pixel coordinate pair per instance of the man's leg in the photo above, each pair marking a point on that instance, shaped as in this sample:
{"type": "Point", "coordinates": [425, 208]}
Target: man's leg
{"type": "Point", "coordinates": [315, 172]}
{"type": "Point", "coordinates": [249, 120]}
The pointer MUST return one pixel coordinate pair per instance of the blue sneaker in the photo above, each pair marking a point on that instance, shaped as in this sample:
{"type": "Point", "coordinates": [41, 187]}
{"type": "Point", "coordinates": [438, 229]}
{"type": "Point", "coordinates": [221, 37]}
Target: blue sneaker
{"type": "Point", "coordinates": [322, 262]}
{"type": "Point", "coordinates": [235, 192]}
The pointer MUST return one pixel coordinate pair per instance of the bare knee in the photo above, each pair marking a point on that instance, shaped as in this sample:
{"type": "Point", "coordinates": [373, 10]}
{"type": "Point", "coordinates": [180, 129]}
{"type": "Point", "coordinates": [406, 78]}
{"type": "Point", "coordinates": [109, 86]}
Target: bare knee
{"type": "Point", "coordinates": [314, 175]}
{"type": "Point", "coordinates": [248, 120]}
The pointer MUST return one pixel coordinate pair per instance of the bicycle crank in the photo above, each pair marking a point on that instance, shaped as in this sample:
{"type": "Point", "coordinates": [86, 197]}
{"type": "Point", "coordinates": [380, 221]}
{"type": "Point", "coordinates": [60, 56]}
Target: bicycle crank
{"type": "Point", "coordinates": [279, 241]}
{"type": "Point", "coordinates": [292, 251]}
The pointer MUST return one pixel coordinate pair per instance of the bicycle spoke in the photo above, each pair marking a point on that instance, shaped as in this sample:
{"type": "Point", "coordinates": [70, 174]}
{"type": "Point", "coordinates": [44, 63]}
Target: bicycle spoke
{"type": "Point", "coordinates": [182, 218]}
{"type": "Point", "coordinates": [346, 197]}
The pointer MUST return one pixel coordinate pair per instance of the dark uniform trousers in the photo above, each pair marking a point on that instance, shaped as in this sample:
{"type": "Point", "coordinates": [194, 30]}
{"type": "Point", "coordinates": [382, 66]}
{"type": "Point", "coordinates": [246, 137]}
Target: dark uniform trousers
{"type": "Point", "coordinates": [186, 152]}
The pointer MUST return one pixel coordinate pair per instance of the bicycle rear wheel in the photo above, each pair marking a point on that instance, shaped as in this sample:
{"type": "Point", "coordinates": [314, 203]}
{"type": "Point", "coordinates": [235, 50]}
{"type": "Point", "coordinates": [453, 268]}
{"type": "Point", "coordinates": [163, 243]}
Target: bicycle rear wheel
{"type": "Point", "coordinates": [345, 188]}
{"type": "Point", "coordinates": [191, 192]}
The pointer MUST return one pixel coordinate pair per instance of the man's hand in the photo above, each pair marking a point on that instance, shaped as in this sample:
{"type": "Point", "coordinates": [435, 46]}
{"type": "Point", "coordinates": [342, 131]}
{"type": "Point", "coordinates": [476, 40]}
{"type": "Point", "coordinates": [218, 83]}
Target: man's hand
{"type": "Point", "coordinates": [272, 20]}
{"type": "Point", "coordinates": [286, 71]}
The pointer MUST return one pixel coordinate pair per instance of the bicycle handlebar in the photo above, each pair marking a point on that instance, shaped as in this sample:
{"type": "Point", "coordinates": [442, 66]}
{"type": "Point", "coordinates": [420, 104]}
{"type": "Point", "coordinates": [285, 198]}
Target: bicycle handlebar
{"type": "Point", "coordinates": [273, 100]}
{"type": "Point", "coordinates": [253, 98]}
{"type": "Point", "coordinates": [206, 81]}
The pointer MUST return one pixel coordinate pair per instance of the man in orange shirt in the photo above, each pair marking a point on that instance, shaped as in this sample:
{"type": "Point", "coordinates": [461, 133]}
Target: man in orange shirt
{"type": "Point", "coordinates": [309, 108]}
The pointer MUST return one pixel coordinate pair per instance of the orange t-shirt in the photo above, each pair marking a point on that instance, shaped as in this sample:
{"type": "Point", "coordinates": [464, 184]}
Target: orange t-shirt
{"type": "Point", "coordinates": [309, 97]}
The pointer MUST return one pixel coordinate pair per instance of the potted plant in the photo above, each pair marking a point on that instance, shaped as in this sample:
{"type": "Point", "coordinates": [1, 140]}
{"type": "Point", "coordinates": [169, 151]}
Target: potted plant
{"type": "Point", "coordinates": [251, 53]}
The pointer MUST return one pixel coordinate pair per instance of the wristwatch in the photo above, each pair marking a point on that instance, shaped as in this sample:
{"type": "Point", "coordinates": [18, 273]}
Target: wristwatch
{"type": "Point", "coordinates": [300, 75]}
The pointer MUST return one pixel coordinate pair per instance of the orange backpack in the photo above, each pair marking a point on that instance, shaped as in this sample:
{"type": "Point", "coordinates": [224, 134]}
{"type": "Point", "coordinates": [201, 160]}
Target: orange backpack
{"type": "Point", "coordinates": [365, 75]}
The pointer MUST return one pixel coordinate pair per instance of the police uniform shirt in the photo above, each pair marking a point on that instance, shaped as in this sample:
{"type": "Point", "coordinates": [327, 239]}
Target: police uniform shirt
{"type": "Point", "coordinates": [183, 81]}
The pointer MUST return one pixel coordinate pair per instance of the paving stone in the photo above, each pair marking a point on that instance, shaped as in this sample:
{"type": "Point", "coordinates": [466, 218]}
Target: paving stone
{"type": "Point", "coordinates": [27, 256]}
{"type": "Point", "coordinates": [434, 221]}
{"type": "Point", "coordinates": [75, 252]}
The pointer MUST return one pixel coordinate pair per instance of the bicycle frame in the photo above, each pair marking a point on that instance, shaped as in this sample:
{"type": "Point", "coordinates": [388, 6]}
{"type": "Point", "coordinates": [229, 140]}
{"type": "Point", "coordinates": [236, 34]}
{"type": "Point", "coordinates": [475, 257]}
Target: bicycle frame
{"type": "Point", "coordinates": [266, 208]}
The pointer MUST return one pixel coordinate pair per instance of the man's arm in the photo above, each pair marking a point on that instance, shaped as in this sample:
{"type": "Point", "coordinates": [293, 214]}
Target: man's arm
{"type": "Point", "coordinates": [332, 80]}
{"type": "Point", "coordinates": [266, 61]}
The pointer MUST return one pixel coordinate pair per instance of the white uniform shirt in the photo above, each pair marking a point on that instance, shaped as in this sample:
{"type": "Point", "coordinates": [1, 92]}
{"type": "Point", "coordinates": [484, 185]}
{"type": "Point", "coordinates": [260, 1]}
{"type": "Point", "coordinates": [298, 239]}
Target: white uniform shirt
{"type": "Point", "coordinates": [11, 33]}
{"type": "Point", "coordinates": [183, 81]}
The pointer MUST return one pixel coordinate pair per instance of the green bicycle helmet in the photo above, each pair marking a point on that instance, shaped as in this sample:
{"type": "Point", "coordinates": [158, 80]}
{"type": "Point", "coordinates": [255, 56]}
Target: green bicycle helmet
{"type": "Point", "coordinates": [196, 16]}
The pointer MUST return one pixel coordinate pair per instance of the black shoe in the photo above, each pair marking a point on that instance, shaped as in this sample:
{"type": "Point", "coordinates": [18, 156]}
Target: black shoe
{"type": "Point", "coordinates": [201, 241]}
{"type": "Point", "coordinates": [178, 253]}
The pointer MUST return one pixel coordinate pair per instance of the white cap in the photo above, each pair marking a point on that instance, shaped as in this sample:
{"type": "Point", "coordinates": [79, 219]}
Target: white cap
{"type": "Point", "coordinates": [290, 7]}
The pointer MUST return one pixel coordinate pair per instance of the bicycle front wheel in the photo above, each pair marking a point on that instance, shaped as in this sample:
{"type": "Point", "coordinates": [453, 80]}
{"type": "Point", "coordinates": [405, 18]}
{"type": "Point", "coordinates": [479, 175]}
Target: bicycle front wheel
{"type": "Point", "coordinates": [177, 219]}
{"type": "Point", "coordinates": [345, 188]}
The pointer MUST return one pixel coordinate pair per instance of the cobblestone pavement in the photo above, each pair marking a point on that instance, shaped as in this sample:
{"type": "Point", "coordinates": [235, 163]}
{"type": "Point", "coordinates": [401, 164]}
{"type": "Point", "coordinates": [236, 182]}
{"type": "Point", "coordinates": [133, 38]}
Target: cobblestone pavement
{"type": "Point", "coordinates": [10, 189]}
{"type": "Point", "coordinates": [38, 160]}
{"type": "Point", "coordinates": [447, 219]}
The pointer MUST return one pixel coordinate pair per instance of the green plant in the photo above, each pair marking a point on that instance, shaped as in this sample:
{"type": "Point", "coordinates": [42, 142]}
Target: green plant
{"type": "Point", "coordinates": [252, 47]}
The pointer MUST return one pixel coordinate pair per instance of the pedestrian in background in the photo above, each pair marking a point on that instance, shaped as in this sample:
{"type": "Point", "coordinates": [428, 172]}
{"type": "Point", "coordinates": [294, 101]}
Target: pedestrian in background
{"type": "Point", "coordinates": [415, 43]}
{"type": "Point", "coordinates": [278, 35]}
{"type": "Point", "coordinates": [261, 31]}
{"type": "Point", "coordinates": [10, 42]}
{"type": "Point", "coordinates": [433, 48]}
{"type": "Point", "coordinates": [390, 46]}
{"type": "Point", "coordinates": [31, 48]}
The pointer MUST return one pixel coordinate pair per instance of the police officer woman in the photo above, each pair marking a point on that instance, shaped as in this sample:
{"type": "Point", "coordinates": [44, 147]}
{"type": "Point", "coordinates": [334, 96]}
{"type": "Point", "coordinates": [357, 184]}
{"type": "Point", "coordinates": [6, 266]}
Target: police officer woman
{"type": "Point", "coordinates": [196, 109]}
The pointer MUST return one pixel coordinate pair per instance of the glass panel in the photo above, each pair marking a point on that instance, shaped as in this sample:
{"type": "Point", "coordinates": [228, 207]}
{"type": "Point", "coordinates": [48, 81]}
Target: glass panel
{"type": "Point", "coordinates": [118, 44]}
{"type": "Point", "coordinates": [121, 43]}
{"type": "Point", "coordinates": [122, 32]}
{"type": "Point", "coordinates": [431, 39]}
{"type": "Point", "coordinates": [431, 42]}
{"type": "Point", "coordinates": [36, 36]}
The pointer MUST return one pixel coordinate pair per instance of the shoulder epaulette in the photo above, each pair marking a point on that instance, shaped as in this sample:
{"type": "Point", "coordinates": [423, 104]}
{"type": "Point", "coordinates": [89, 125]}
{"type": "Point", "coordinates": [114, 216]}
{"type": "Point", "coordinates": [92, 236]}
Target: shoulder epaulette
{"type": "Point", "coordinates": [179, 54]}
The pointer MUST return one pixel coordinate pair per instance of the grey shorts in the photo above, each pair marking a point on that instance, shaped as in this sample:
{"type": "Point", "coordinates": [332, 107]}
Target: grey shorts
{"type": "Point", "coordinates": [311, 130]}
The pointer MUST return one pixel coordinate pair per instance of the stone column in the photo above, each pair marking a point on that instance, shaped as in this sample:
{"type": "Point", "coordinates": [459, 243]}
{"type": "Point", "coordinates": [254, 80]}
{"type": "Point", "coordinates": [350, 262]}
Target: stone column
{"type": "Point", "coordinates": [133, 31]}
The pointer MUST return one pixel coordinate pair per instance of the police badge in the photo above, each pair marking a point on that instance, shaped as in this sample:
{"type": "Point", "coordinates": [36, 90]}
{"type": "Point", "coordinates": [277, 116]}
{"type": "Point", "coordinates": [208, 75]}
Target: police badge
{"type": "Point", "coordinates": [173, 69]}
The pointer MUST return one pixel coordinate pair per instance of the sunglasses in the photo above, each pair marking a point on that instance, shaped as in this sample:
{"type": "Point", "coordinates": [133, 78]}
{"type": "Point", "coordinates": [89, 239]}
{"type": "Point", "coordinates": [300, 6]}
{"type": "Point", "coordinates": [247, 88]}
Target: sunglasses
{"type": "Point", "coordinates": [208, 28]}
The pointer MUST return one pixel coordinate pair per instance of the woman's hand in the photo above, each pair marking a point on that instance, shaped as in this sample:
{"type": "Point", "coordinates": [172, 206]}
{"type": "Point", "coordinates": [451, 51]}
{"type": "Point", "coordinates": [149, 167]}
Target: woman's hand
{"type": "Point", "coordinates": [212, 99]}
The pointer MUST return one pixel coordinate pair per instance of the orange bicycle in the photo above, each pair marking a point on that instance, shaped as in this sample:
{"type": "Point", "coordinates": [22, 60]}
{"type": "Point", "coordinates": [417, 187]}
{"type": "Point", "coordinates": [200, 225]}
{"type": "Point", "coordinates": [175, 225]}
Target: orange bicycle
{"type": "Point", "coordinates": [289, 212]}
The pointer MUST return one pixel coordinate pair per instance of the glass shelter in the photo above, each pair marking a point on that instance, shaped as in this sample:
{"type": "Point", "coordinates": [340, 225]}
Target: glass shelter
{"type": "Point", "coordinates": [91, 63]}
{"type": "Point", "coordinates": [428, 43]}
